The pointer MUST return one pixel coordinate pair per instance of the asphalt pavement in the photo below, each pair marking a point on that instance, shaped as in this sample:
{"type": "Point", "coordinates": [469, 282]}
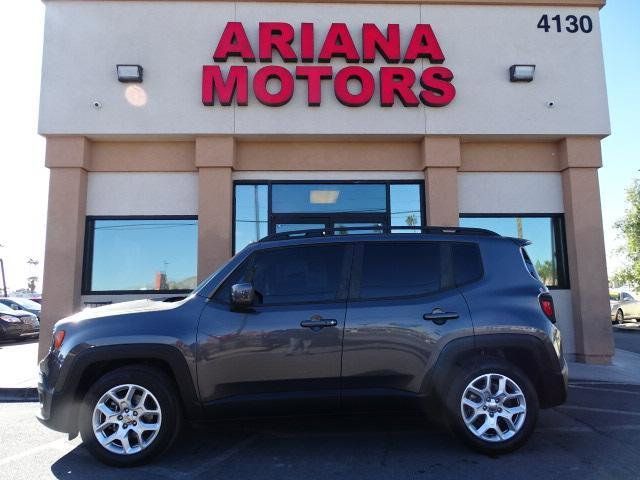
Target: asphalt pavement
{"type": "Point", "coordinates": [626, 336]}
{"type": "Point", "coordinates": [595, 435]}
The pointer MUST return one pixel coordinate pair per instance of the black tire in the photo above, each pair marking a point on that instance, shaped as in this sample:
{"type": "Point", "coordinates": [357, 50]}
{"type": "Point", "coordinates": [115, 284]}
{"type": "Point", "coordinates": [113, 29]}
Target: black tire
{"type": "Point", "coordinates": [619, 320]}
{"type": "Point", "coordinates": [456, 422]}
{"type": "Point", "coordinates": [160, 386]}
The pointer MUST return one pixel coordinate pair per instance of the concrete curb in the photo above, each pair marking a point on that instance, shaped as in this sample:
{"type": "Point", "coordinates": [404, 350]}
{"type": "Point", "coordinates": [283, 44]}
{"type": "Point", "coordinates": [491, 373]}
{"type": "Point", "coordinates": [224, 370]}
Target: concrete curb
{"type": "Point", "coordinates": [13, 395]}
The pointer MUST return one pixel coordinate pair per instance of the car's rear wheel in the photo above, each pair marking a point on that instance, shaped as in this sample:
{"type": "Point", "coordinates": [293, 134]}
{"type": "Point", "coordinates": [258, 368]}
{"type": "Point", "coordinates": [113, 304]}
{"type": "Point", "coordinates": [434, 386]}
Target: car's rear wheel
{"type": "Point", "coordinates": [619, 317]}
{"type": "Point", "coordinates": [492, 406]}
{"type": "Point", "coordinates": [129, 416]}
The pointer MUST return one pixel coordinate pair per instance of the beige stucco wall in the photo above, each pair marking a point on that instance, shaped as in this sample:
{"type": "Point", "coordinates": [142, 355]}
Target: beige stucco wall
{"type": "Point", "coordinates": [172, 40]}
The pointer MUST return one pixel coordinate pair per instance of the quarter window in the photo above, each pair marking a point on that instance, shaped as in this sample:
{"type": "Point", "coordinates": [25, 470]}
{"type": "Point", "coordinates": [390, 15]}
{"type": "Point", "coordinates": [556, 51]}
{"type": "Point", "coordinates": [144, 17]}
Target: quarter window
{"type": "Point", "coordinates": [399, 270]}
{"type": "Point", "coordinates": [467, 264]}
{"type": "Point", "coordinates": [140, 254]}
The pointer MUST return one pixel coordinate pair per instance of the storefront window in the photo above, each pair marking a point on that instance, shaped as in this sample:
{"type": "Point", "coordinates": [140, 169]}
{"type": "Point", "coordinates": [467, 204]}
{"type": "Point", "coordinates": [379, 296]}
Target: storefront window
{"type": "Point", "coordinates": [141, 254]}
{"type": "Point", "coordinates": [405, 206]}
{"type": "Point", "coordinates": [328, 198]}
{"type": "Point", "coordinates": [359, 207]}
{"type": "Point", "coordinates": [546, 233]}
{"type": "Point", "coordinates": [251, 214]}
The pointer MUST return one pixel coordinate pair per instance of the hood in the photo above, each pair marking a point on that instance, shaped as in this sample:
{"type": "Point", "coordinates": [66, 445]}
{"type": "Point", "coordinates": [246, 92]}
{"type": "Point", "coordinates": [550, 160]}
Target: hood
{"type": "Point", "coordinates": [17, 313]}
{"type": "Point", "coordinates": [122, 308]}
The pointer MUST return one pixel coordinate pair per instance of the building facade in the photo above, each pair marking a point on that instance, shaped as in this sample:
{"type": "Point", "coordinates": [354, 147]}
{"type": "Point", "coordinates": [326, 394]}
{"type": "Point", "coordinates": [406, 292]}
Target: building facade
{"type": "Point", "coordinates": [249, 118]}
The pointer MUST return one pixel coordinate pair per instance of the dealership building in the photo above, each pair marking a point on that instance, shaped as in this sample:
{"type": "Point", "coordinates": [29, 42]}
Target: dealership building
{"type": "Point", "coordinates": [180, 131]}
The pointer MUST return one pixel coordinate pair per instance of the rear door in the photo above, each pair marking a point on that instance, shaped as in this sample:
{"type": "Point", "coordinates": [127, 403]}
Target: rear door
{"type": "Point", "coordinates": [402, 306]}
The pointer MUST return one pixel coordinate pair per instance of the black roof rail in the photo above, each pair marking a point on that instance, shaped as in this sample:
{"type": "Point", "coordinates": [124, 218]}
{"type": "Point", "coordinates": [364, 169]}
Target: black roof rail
{"type": "Point", "coordinates": [324, 232]}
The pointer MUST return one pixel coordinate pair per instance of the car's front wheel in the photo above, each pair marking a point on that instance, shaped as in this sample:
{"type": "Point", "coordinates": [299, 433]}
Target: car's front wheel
{"type": "Point", "coordinates": [129, 416]}
{"type": "Point", "coordinates": [492, 406]}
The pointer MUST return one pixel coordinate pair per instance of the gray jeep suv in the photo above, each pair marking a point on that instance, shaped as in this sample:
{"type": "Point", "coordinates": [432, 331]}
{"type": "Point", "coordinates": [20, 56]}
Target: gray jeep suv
{"type": "Point", "coordinates": [450, 319]}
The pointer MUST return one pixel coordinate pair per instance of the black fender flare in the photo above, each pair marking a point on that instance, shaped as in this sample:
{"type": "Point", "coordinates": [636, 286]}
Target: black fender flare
{"type": "Point", "coordinates": [72, 372]}
{"type": "Point", "coordinates": [551, 384]}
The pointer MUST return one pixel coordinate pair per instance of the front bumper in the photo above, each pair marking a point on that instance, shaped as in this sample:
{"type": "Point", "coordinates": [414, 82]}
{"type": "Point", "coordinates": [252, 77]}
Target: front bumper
{"type": "Point", "coordinates": [17, 330]}
{"type": "Point", "coordinates": [58, 410]}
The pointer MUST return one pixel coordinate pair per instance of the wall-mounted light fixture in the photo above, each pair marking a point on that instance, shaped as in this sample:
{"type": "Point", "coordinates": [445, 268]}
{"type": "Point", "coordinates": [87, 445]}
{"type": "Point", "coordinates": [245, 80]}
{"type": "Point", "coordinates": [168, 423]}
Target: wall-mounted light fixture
{"type": "Point", "coordinates": [129, 73]}
{"type": "Point", "coordinates": [521, 73]}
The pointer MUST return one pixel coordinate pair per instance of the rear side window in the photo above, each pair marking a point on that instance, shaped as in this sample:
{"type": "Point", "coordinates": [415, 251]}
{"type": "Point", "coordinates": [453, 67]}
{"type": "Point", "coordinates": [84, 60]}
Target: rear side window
{"type": "Point", "coordinates": [399, 270]}
{"type": "Point", "coordinates": [529, 264]}
{"type": "Point", "coordinates": [467, 263]}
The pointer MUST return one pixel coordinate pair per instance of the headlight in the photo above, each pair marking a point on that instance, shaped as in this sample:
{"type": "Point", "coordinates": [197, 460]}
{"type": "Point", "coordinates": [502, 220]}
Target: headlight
{"type": "Point", "coordinates": [10, 319]}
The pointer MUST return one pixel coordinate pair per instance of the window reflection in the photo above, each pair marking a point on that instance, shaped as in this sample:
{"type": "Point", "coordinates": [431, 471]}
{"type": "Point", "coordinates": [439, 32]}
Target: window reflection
{"type": "Point", "coordinates": [143, 254]}
{"type": "Point", "coordinates": [251, 214]}
{"type": "Point", "coordinates": [405, 207]}
{"type": "Point", "coordinates": [323, 198]}
{"type": "Point", "coordinates": [546, 235]}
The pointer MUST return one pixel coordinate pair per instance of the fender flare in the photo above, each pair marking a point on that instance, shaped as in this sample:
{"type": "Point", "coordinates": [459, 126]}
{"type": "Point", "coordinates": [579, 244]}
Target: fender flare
{"type": "Point", "coordinates": [459, 351]}
{"type": "Point", "coordinates": [69, 380]}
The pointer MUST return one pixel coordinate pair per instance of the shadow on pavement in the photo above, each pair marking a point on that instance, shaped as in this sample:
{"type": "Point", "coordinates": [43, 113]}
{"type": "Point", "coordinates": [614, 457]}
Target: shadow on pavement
{"type": "Point", "coordinates": [290, 445]}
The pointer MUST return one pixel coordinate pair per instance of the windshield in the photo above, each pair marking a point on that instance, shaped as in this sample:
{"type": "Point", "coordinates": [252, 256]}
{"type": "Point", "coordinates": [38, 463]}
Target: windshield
{"type": "Point", "coordinates": [26, 303]}
{"type": "Point", "coordinates": [615, 296]}
{"type": "Point", "coordinates": [5, 309]}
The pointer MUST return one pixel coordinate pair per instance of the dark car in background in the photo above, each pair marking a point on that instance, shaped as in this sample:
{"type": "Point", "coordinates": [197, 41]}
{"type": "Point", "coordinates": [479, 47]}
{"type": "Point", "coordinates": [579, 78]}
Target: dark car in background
{"type": "Point", "coordinates": [452, 321]}
{"type": "Point", "coordinates": [19, 303]}
{"type": "Point", "coordinates": [15, 324]}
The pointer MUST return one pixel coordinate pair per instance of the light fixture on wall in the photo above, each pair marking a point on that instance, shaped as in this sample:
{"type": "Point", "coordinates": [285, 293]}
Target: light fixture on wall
{"type": "Point", "coordinates": [521, 73]}
{"type": "Point", "coordinates": [129, 73]}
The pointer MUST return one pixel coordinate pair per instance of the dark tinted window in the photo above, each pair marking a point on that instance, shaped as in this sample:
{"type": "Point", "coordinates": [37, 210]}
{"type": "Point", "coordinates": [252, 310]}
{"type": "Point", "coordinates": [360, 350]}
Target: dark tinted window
{"type": "Point", "coordinates": [467, 264]}
{"type": "Point", "coordinates": [400, 269]}
{"type": "Point", "coordinates": [293, 275]}
{"type": "Point", "coordinates": [530, 267]}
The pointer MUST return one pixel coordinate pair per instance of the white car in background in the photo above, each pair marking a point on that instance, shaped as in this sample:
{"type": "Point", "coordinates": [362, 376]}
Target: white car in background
{"type": "Point", "coordinates": [624, 306]}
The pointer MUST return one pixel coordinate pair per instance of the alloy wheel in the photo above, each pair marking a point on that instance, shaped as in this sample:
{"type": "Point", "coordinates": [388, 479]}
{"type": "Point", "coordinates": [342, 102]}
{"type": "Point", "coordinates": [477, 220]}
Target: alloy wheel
{"type": "Point", "coordinates": [493, 407]}
{"type": "Point", "coordinates": [126, 419]}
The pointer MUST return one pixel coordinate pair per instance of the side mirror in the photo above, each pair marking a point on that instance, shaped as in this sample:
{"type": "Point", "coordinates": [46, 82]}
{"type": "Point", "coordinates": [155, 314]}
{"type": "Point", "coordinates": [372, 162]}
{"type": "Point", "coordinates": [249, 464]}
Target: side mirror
{"type": "Point", "coordinates": [242, 295]}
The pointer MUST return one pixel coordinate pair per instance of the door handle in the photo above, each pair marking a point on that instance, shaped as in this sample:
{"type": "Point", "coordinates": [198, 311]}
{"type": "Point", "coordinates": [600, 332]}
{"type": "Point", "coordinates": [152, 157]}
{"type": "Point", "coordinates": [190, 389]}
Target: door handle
{"type": "Point", "coordinates": [439, 316]}
{"type": "Point", "coordinates": [319, 323]}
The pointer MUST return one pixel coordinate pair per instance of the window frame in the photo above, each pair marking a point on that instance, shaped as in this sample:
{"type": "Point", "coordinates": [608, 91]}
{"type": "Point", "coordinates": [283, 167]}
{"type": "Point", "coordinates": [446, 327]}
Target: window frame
{"type": "Point", "coordinates": [345, 275]}
{"type": "Point", "coordinates": [447, 281]}
{"type": "Point", "coordinates": [87, 260]}
{"type": "Point", "coordinates": [271, 214]}
{"type": "Point", "coordinates": [559, 238]}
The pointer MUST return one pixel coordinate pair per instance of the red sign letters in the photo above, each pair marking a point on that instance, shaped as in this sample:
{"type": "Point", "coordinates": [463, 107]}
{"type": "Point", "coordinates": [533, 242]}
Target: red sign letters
{"type": "Point", "coordinates": [274, 85]}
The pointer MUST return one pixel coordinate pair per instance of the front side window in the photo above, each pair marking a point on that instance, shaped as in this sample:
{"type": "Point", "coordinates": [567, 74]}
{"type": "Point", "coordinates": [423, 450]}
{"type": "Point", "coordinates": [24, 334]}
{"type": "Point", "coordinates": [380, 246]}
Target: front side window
{"type": "Point", "coordinates": [140, 254]}
{"type": "Point", "coordinates": [547, 252]}
{"type": "Point", "coordinates": [309, 274]}
{"type": "Point", "coordinates": [392, 270]}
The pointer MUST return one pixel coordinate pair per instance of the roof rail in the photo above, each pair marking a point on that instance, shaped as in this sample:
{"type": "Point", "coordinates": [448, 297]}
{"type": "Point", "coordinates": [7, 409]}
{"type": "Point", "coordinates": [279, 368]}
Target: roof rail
{"type": "Point", "coordinates": [378, 229]}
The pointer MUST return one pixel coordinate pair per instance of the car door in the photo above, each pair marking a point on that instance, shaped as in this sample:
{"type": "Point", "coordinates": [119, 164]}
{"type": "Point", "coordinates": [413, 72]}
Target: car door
{"type": "Point", "coordinates": [289, 342]}
{"type": "Point", "coordinates": [402, 306]}
{"type": "Point", "coordinates": [633, 306]}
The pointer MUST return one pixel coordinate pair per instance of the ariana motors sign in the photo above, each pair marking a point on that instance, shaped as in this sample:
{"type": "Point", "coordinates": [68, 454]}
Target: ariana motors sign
{"type": "Point", "coordinates": [353, 85]}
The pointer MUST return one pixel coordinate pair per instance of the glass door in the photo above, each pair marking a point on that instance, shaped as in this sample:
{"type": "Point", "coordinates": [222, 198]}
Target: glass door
{"type": "Point", "coordinates": [338, 223]}
{"type": "Point", "coordinates": [289, 223]}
